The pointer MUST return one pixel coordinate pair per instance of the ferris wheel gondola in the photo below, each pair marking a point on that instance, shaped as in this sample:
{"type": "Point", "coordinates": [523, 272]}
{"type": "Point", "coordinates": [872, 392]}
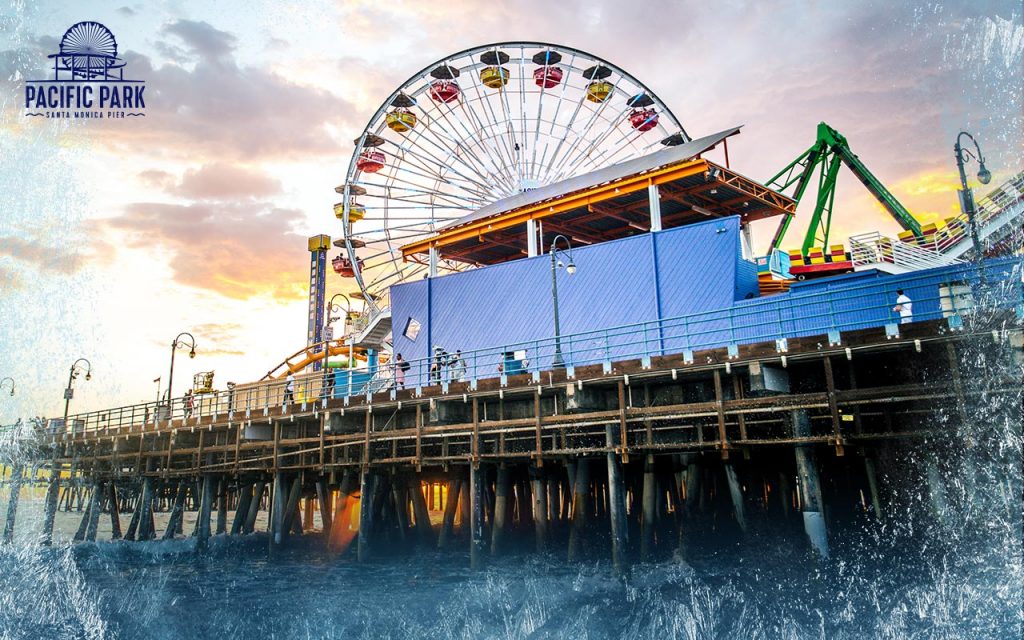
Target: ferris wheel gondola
{"type": "Point", "coordinates": [478, 126]}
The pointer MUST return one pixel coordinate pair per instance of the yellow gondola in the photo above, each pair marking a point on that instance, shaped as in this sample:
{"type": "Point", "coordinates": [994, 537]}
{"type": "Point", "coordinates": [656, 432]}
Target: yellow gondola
{"type": "Point", "coordinates": [599, 90]}
{"type": "Point", "coordinates": [494, 77]}
{"type": "Point", "coordinates": [400, 120]}
{"type": "Point", "coordinates": [356, 211]}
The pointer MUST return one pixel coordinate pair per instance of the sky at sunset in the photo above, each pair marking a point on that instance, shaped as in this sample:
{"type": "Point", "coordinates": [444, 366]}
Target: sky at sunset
{"type": "Point", "coordinates": [117, 235]}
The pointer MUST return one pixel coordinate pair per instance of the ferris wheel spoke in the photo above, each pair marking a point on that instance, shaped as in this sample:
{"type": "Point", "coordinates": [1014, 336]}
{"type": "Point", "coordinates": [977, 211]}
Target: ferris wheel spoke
{"type": "Point", "coordinates": [613, 123]}
{"type": "Point", "coordinates": [455, 179]}
{"type": "Point", "coordinates": [468, 150]}
{"type": "Point", "coordinates": [450, 152]}
{"type": "Point", "coordinates": [501, 145]}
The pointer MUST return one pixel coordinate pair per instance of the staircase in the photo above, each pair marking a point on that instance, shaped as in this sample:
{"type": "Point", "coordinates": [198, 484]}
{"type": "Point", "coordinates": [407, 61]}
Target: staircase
{"type": "Point", "coordinates": [377, 328]}
{"type": "Point", "coordinates": [875, 251]}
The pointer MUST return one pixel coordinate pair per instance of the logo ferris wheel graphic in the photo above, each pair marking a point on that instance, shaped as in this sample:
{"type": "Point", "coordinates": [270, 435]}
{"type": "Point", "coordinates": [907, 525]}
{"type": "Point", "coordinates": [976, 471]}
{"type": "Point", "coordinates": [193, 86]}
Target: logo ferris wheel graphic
{"type": "Point", "coordinates": [88, 53]}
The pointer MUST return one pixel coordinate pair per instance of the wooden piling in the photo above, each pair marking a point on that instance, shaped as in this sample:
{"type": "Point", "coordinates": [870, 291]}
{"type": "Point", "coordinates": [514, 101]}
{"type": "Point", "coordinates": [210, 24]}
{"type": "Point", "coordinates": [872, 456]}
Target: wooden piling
{"type": "Point", "coordinates": [323, 497]}
{"type": "Point", "coordinates": [176, 511]}
{"type": "Point", "coordinates": [476, 497]}
{"type": "Point", "coordinates": [501, 505]}
{"type": "Point", "coordinates": [424, 529]}
{"type": "Point", "coordinates": [540, 507]}
{"type": "Point", "coordinates": [95, 509]}
{"type": "Point", "coordinates": [12, 502]}
{"type": "Point", "coordinates": [222, 505]}
{"type": "Point", "coordinates": [277, 512]}
{"type": "Point", "coordinates": [245, 499]}
{"type": "Point", "coordinates": [254, 507]}
{"type": "Point", "coordinates": [367, 486]}
{"type": "Point", "coordinates": [648, 509]}
{"type": "Point", "coordinates": [736, 494]}
{"type": "Point", "coordinates": [450, 508]}
{"type": "Point", "coordinates": [205, 510]}
{"type": "Point", "coordinates": [616, 502]}
{"type": "Point", "coordinates": [810, 487]}
{"type": "Point", "coordinates": [115, 511]}
{"type": "Point", "coordinates": [579, 508]}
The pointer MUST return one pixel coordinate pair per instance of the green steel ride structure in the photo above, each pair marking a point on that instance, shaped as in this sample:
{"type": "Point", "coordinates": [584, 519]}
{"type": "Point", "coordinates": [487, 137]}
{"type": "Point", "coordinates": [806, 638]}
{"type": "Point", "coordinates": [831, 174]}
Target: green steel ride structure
{"type": "Point", "coordinates": [826, 154]}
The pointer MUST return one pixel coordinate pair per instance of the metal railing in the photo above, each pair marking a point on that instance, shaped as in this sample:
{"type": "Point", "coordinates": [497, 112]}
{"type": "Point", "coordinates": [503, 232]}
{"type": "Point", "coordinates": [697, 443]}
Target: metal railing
{"type": "Point", "coordinates": [954, 294]}
{"type": "Point", "coordinates": [868, 249]}
{"type": "Point", "coordinates": [988, 209]}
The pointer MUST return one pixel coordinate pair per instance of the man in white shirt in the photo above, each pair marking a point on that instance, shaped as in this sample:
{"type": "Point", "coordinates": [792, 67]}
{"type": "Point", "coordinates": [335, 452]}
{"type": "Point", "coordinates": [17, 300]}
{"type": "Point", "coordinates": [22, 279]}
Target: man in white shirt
{"type": "Point", "coordinates": [289, 389]}
{"type": "Point", "coordinates": [904, 306]}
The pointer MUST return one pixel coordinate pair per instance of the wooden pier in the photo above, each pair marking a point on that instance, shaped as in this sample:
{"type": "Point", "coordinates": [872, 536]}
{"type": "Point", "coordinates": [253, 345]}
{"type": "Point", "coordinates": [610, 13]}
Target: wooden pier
{"type": "Point", "coordinates": [633, 456]}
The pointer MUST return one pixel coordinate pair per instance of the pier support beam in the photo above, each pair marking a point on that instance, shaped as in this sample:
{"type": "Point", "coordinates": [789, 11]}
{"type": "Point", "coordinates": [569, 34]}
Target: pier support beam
{"type": "Point", "coordinates": [869, 470]}
{"type": "Point", "coordinates": [323, 497]}
{"type": "Point", "coordinates": [242, 509]}
{"type": "Point", "coordinates": [12, 502]}
{"type": "Point", "coordinates": [254, 507]}
{"type": "Point", "coordinates": [540, 507]}
{"type": "Point", "coordinates": [580, 498]}
{"type": "Point", "coordinates": [176, 511]}
{"type": "Point", "coordinates": [649, 499]}
{"type": "Point", "coordinates": [205, 510]}
{"type": "Point", "coordinates": [367, 488]}
{"type": "Point", "coordinates": [501, 505]}
{"type": "Point", "coordinates": [736, 493]}
{"type": "Point", "coordinates": [450, 508]}
{"type": "Point", "coordinates": [424, 530]}
{"type": "Point", "coordinates": [115, 511]}
{"type": "Point", "coordinates": [146, 531]}
{"type": "Point", "coordinates": [222, 506]}
{"type": "Point", "coordinates": [810, 486]}
{"type": "Point", "coordinates": [616, 502]}
{"type": "Point", "coordinates": [476, 498]}
{"type": "Point", "coordinates": [52, 497]}
{"type": "Point", "coordinates": [277, 512]}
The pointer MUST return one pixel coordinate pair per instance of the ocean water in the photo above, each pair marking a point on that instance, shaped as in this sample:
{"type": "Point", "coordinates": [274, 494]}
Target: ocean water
{"type": "Point", "coordinates": [880, 583]}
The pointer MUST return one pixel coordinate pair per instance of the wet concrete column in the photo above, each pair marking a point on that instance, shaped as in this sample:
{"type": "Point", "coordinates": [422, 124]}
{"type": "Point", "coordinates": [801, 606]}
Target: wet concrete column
{"type": "Point", "coordinates": [476, 497]}
{"type": "Point", "coordinates": [277, 506]}
{"type": "Point", "coordinates": [12, 502]}
{"type": "Point", "coordinates": [95, 509]}
{"type": "Point", "coordinates": [540, 507]}
{"type": "Point", "coordinates": [616, 501]}
{"type": "Point", "coordinates": [810, 486]}
{"type": "Point", "coordinates": [176, 511]}
{"type": "Point", "coordinates": [242, 509]}
{"type": "Point", "coordinates": [501, 505]}
{"type": "Point", "coordinates": [254, 507]}
{"type": "Point", "coordinates": [580, 499]}
{"type": "Point", "coordinates": [736, 493]}
{"type": "Point", "coordinates": [52, 498]}
{"type": "Point", "coordinates": [451, 505]}
{"type": "Point", "coordinates": [115, 511]}
{"type": "Point", "coordinates": [222, 505]}
{"type": "Point", "coordinates": [649, 503]}
{"type": "Point", "coordinates": [367, 487]}
{"type": "Point", "coordinates": [424, 530]}
{"type": "Point", "coordinates": [146, 531]}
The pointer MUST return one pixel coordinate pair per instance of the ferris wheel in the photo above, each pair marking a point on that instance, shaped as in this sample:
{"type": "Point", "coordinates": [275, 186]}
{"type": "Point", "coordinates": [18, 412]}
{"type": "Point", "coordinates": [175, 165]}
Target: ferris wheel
{"type": "Point", "coordinates": [474, 128]}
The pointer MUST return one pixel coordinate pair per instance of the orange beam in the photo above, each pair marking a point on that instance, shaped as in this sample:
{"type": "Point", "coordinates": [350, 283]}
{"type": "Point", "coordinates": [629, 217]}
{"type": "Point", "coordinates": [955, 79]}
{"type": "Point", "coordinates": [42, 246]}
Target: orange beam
{"type": "Point", "coordinates": [567, 203]}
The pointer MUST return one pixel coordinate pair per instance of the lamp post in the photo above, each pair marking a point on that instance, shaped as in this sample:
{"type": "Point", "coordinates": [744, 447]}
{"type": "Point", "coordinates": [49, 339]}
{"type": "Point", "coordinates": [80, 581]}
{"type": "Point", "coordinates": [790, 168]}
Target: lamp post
{"type": "Point", "coordinates": [333, 308]}
{"type": "Point", "coordinates": [177, 343]}
{"type": "Point", "coordinates": [963, 155]}
{"type": "Point", "coordinates": [7, 379]}
{"type": "Point", "coordinates": [570, 268]}
{"type": "Point", "coordinates": [69, 391]}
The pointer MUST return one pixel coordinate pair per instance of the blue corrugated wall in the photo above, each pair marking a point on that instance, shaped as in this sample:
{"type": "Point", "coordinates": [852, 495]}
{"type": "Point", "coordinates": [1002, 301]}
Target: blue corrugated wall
{"type": "Point", "coordinates": [669, 273]}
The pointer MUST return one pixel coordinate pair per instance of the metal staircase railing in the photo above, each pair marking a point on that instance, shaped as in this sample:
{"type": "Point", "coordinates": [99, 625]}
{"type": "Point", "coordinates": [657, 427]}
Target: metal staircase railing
{"type": "Point", "coordinates": [892, 255]}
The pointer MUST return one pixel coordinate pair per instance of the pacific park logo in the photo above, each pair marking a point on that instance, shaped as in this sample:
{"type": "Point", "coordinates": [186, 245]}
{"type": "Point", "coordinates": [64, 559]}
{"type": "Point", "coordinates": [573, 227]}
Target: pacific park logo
{"type": "Point", "coordinates": [88, 79]}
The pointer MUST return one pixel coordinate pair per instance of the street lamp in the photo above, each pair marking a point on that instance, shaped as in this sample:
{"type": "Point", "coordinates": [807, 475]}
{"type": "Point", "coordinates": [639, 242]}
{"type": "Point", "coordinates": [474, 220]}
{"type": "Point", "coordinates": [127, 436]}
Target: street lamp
{"type": "Point", "coordinates": [69, 392]}
{"type": "Point", "coordinates": [178, 343]}
{"type": "Point", "coordinates": [963, 155]}
{"type": "Point", "coordinates": [333, 308]}
{"type": "Point", "coordinates": [570, 268]}
{"type": "Point", "coordinates": [7, 379]}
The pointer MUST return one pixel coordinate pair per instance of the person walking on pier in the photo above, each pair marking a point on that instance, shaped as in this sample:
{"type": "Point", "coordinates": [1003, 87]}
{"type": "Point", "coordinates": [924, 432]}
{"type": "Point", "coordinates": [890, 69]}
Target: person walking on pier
{"type": "Point", "coordinates": [401, 366]}
{"type": "Point", "coordinates": [904, 306]}
{"type": "Point", "coordinates": [190, 403]}
{"type": "Point", "coordinates": [289, 389]}
{"type": "Point", "coordinates": [458, 367]}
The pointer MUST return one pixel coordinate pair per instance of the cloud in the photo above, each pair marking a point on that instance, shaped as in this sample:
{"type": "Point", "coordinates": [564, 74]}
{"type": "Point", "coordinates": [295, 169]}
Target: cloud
{"type": "Point", "coordinates": [41, 256]}
{"type": "Point", "coordinates": [202, 39]}
{"type": "Point", "coordinates": [127, 11]}
{"type": "Point", "coordinates": [157, 178]}
{"type": "Point", "coordinates": [238, 250]}
{"type": "Point", "coordinates": [10, 279]}
{"type": "Point", "coordinates": [224, 182]}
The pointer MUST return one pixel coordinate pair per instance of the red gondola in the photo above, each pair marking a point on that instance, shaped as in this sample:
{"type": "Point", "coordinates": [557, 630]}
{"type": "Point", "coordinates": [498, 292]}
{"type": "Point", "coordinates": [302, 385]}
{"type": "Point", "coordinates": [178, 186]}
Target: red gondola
{"type": "Point", "coordinates": [643, 119]}
{"type": "Point", "coordinates": [548, 77]}
{"type": "Point", "coordinates": [370, 161]}
{"type": "Point", "coordinates": [343, 266]}
{"type": "Point", "coordinates": [444, 90]}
